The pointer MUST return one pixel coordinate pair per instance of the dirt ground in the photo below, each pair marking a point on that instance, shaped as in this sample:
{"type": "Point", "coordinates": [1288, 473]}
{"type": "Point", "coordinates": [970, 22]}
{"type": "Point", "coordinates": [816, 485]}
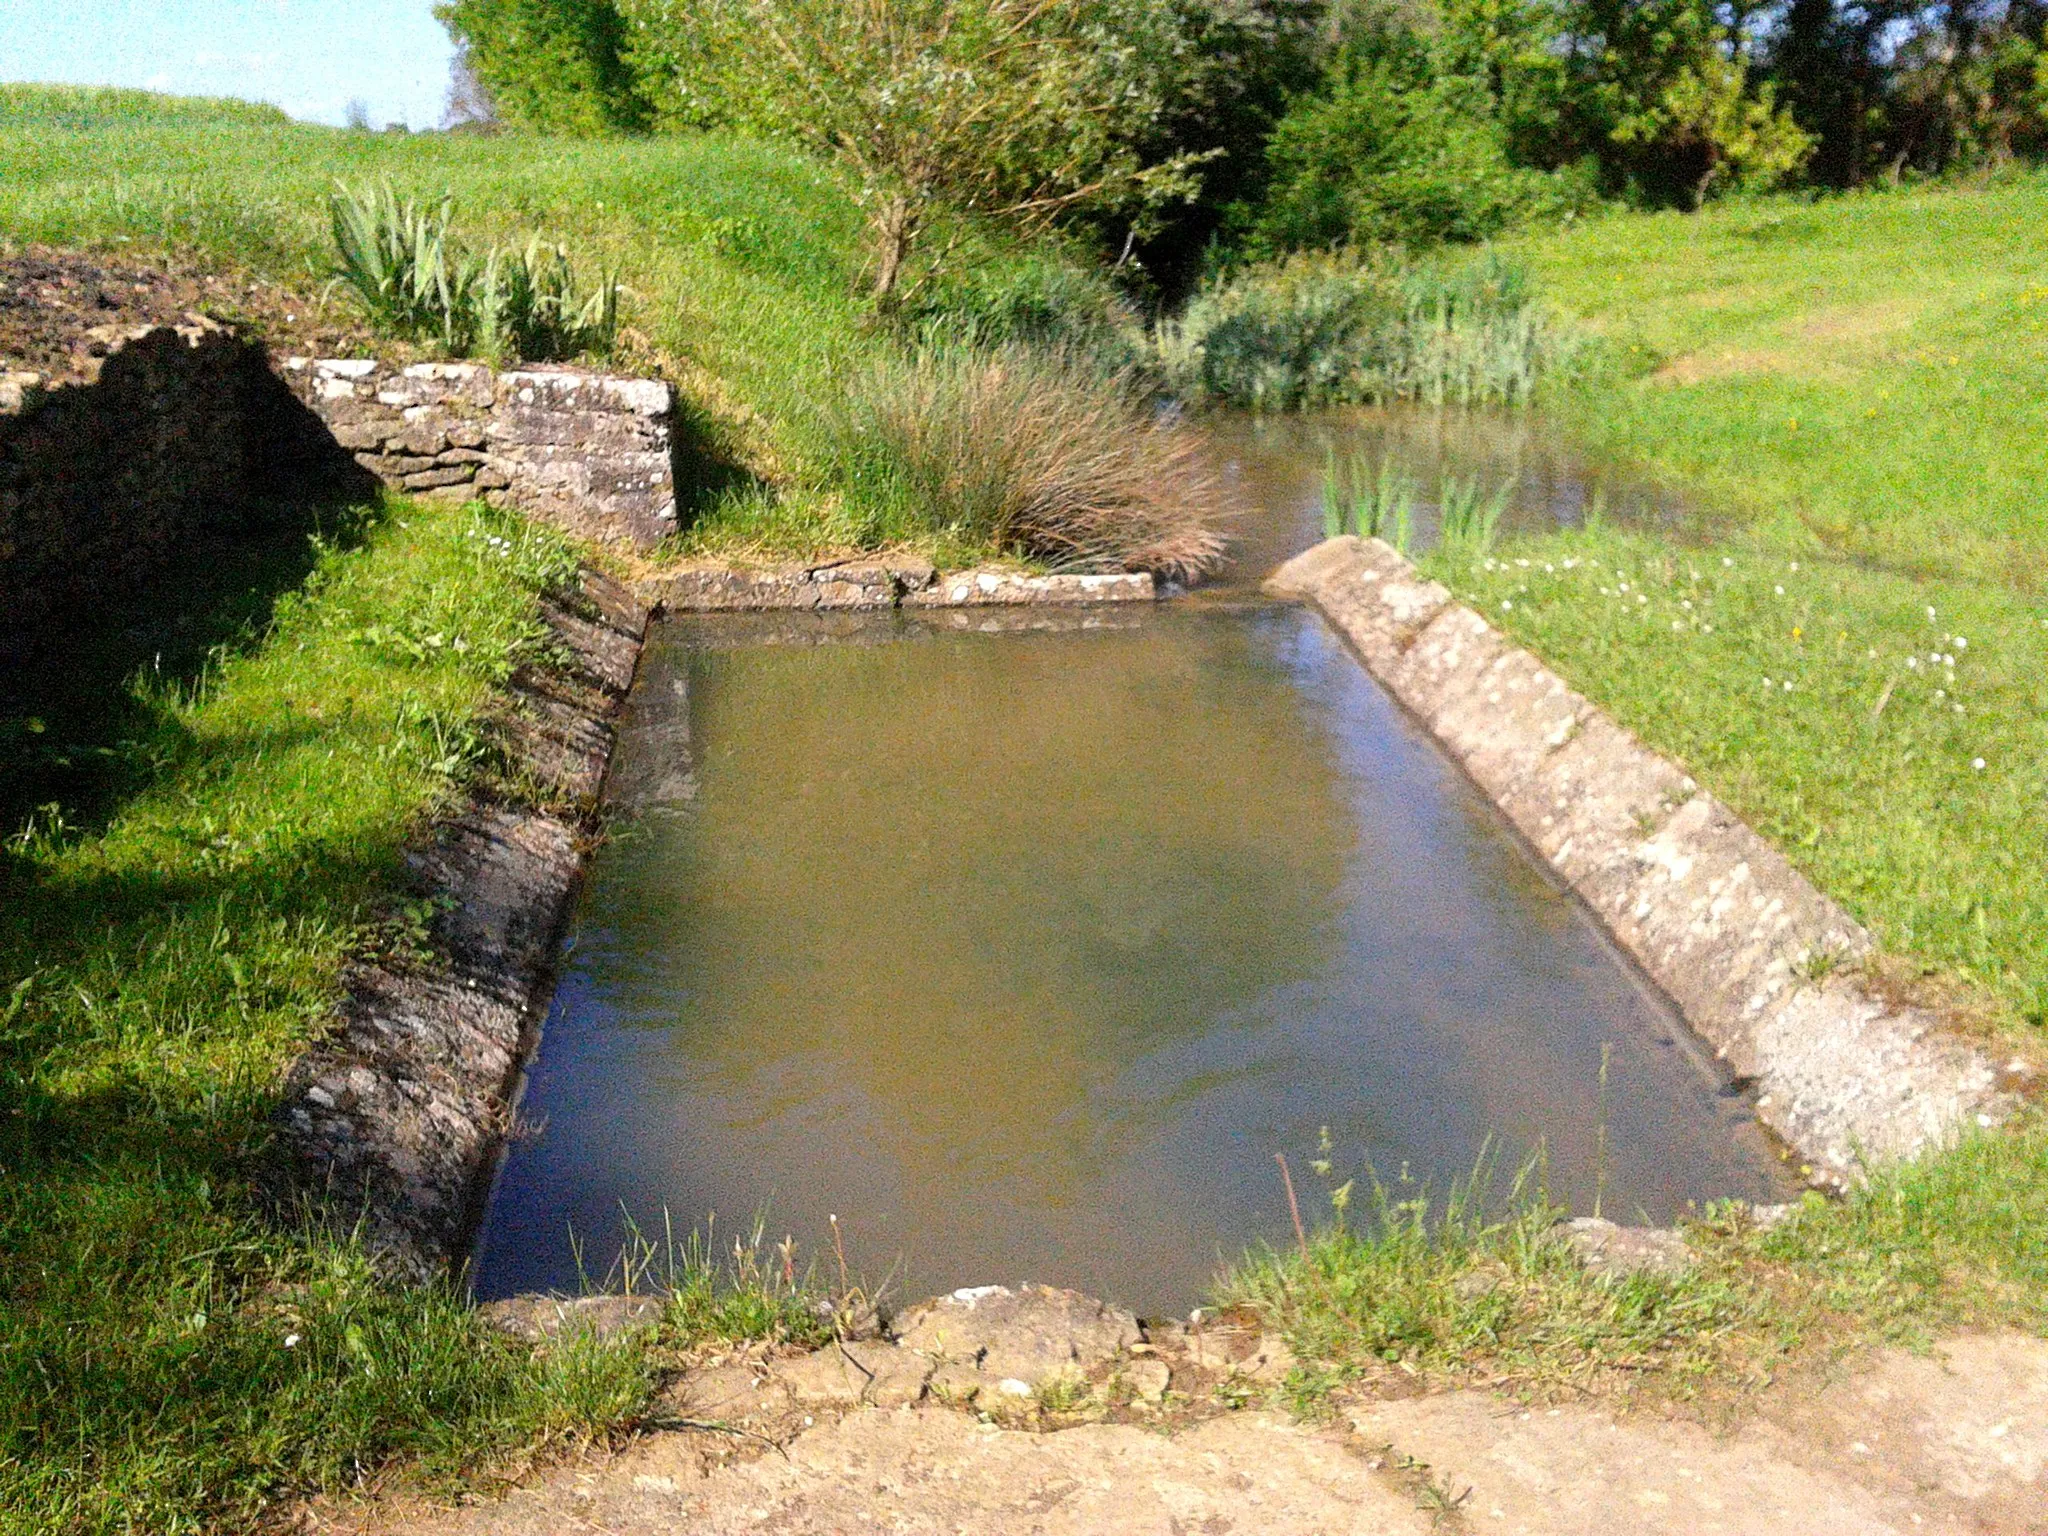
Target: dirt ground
{"type": "Point", "coordinates": [1187, 1436]}
{"type": "Point", "coordinates": [59, 310]}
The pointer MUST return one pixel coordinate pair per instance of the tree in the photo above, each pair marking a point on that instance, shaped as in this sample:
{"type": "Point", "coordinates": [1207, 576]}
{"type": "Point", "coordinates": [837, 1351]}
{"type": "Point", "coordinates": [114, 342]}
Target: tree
{"type": "Point", "coordinates": [1710, 116]}
{"type": "Point", "coordinates": [550, 66]}
{"type": "Point", "coordinates": [1025, 111]}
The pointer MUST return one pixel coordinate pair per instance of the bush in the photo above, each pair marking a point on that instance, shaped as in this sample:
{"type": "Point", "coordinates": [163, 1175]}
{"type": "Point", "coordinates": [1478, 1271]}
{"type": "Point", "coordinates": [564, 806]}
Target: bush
{"type": "Point", "coordinates": [1382, 161]}
{"type": "Point", "coordinates": [1031, 452]}
{"type": "Point", "coordinates": [416, 282]}
{"type": "Point", "coordinates": [1330, 329]}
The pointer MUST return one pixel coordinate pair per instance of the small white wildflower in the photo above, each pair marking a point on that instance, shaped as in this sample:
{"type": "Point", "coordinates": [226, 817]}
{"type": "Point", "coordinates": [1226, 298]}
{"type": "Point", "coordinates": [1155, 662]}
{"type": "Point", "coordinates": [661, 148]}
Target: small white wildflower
{"type": "Point", "coordinates": [1930, 612]}
{"type": "Point", "coordinates": [1873, 653]}
{"type": "Point", "coordinates": [1505, 604]}
{"type": "Point", "coordinates": [1960, 643]}
{"type": "Point", "coordinates": [291, 1341]}
{"type": "Point", "coordinates": [1549, 568]}
{"type": "Point", "coordinates": [1726, 561]}
{"type": "Point", "coordinates": [1941, 693]}
{"type": "Point", "coordinates": [1624, 586]}
{"type": "Point", "coordinates": [1957, 708]}
{"type": "Point", "coordinates": [1977, 763]}
{"type": "Point", "coordinates": [1523, 564]}
{"type": "Point", "coordinates": [1685, 602]}
{"type": "Point", "coordinates": [1795, 567]}
{"type": "Point", "coordinates": [1788, 685]}
{"type": "Point", "coordinates": [1780, 591]}
{"type": "Point", "coordinates": [1678, 623]}
{"type": "Point", "coordinates": [1706, 629]}
{"type": "Point", "coordinates": [1767, 682]}
{"type": "Point", "coordinates": [1913, 662]}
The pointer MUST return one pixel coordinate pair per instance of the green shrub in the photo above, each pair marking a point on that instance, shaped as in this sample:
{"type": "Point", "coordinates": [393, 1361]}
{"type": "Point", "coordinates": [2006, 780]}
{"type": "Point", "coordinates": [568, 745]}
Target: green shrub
{"type": "Point", "coordinates": [1331, 329]}
{"type": "Point", "coordinates": [417, 282]}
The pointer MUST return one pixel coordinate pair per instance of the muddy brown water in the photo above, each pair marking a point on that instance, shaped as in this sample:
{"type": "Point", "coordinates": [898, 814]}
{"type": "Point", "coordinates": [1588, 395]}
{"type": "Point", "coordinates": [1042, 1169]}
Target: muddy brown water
{"type": "Point", "coordinates": [1022, 947]}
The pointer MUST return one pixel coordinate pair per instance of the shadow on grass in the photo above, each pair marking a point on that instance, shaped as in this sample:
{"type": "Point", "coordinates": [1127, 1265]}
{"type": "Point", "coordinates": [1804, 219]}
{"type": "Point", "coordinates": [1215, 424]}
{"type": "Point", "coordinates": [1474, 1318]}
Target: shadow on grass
{"type": "Point", "coordinates": [84, 697]}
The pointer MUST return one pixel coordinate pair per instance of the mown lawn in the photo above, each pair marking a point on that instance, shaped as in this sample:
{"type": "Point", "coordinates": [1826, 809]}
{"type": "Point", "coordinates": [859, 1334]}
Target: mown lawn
{"type": "Point", "coordinates": [1864, 375]}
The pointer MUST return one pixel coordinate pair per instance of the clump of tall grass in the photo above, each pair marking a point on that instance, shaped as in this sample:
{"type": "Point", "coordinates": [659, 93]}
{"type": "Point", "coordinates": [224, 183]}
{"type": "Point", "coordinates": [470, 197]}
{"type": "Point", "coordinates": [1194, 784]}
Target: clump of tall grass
{"type": "Point", "coordinates": [1034, 452]}
{"type": "Point", "coordinates": [1369, 502]}
{"type": "Point", "coordinates": [416, 281]}
{"type": "Point", "coordinates": [1327, 329]}
{"type": "Point", "coordinates": [1468, 518]}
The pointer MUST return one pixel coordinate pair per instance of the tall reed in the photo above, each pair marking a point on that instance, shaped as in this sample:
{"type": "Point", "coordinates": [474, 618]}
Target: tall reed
{"type": "Point", "coordinates": [1372, 502]}
{"type": "Point", "coordinates": [1331, 329]}
{"type": "Point", "coordinates": [1469, 518]}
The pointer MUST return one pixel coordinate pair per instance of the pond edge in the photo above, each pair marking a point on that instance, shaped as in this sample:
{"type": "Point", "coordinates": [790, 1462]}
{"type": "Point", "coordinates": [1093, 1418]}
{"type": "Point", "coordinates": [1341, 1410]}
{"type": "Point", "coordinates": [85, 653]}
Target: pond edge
{"type": "Point", "coordinates": [1758, 962]}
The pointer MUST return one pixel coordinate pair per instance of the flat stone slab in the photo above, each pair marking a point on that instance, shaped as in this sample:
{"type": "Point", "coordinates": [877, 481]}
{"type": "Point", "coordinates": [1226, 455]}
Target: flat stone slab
{"type": "Point", "coordinates": [1605, 1248]}
{"type": "Point", "coordinates": [883, 582]}
{"type": "Point", "coordinates": [1027, 1335]}
{"type": "Point", "coordinates": [1718, 918]}
{"type": "Point", "coordinates": [1952, 1441]}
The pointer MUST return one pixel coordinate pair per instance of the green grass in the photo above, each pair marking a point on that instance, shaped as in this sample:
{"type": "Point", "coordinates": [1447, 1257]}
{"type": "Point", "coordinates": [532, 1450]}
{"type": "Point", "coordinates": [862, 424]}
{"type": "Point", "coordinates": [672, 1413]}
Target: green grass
{"type": "Point", "coordinates": [1764, 675]}
{"type": "Point", "coordinates": [167, 1361]}
{"type": "Point", "coordinates": [1849, 391]}
{"type": "Point", "coordinates": [1860, 375]}
{"type": "Point", "coordinates": [1464, 1289]}
{"type": "Point", "coordinates": [742, 262]}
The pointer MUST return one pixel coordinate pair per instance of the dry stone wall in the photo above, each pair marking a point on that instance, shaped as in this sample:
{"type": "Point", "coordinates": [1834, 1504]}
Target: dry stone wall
{"type": "Point", "coordinates": [182, 432]}
{"type": "Point", "coordinates": [591, 452]}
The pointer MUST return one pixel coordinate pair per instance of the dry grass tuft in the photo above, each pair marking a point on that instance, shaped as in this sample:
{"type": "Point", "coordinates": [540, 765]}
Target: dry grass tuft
{"type": "Point", "coordinates": [1036, 453]}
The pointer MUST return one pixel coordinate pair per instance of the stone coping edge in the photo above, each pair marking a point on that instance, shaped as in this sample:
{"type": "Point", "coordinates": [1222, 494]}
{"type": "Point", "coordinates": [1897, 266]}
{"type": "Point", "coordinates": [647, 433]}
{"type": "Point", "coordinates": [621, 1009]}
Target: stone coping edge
{"type": "Point", "coordinates": [396, 1116]}
{"type": "Point", "coordinates": [1758, 961]}
{"type": "Point", "coordinates": [881, 583]}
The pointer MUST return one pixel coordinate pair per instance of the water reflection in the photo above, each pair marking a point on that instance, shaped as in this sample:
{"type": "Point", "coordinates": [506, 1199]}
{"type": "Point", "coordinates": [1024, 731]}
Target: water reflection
{"type": "Point", "coordinates": [1275, 464]}
{"type": "Point", "coordinates": [1023, 953]}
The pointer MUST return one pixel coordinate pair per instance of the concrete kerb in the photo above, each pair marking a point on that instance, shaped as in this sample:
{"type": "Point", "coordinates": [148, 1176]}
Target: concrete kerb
{"type": "Point", "coordinates": [1739, 940]}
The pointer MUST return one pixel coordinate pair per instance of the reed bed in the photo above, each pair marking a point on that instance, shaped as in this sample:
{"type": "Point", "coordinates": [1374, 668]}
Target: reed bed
{"type": "Point", "coordinates": [1330, 329]}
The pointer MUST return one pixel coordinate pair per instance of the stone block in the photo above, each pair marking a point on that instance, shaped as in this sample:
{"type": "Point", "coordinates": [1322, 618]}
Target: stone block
{"type": "Point", "coordinates": [392, 466]}
{"type": "Point", "coordinates": [444, 475]}
{"type": "Point", "coordinates": [1030, 1334]}
{"type": "Point", "coordinates": [363, 436]}
{"type": "Point", "coordinates": [1504, 729]}
{"type": "Point", "coordinates": [421, 436]}
{"type": "Point", "coordinates": [1447, 662]}
{"type": "Point", "coordinates": [1719, 919]}
{"type": "Point", "coordinates": [1594, 799]}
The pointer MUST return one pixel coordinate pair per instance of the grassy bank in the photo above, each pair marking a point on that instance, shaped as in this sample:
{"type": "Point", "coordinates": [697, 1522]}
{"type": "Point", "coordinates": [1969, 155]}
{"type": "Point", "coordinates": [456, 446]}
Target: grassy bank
{"type": "Point", "coordinates": [1848, 390]}
{"type": "Point", "coordinates": [1858, 375]}
{"type": "Point", "coordinates": [1457, 1291]}
{"type": "Point", "coordinates": [168, 1360]}
{"type": "Point", "coordinates": [741, 264]}
{"type": "Point", "coordinates": [1851, 649]}
{"type": "Point", "coordinates": [165, 1359]}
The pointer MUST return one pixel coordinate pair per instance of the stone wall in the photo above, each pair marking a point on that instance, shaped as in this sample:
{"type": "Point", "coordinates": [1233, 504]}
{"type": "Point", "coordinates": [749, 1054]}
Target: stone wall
{"type": "Point", "coordinates": [184, 432]}
{"type": "Point", "coordinates": [591, 452]}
